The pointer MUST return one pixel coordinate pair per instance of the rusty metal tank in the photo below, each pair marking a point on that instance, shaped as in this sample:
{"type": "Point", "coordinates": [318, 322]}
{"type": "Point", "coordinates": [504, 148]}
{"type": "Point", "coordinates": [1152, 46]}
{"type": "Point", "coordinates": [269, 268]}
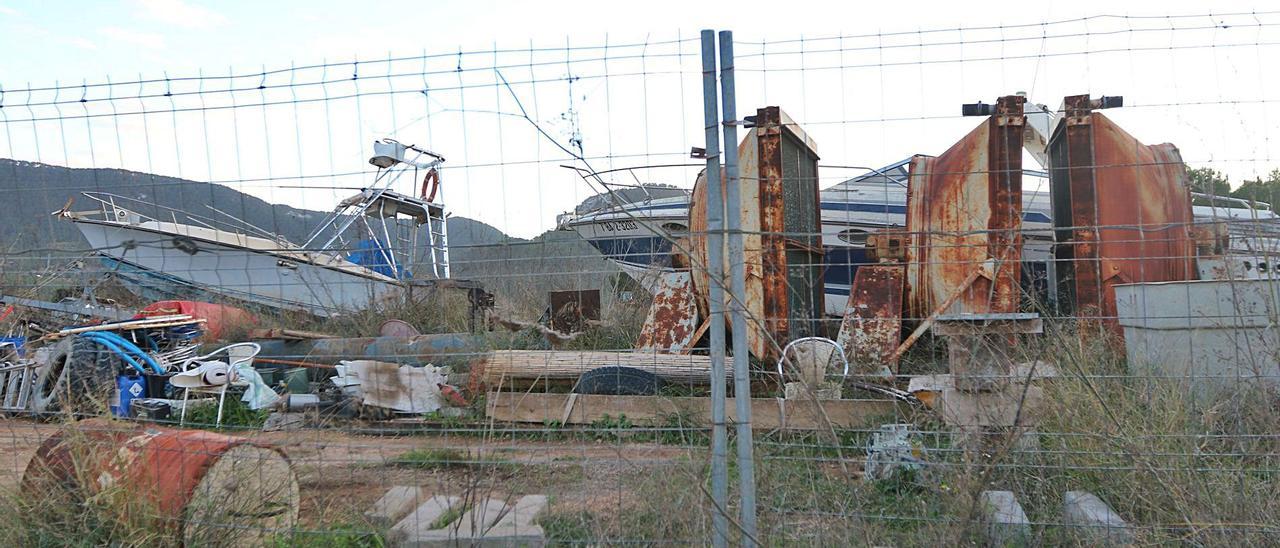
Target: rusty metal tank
{"type": "Point", "coordinates": [205, 488]}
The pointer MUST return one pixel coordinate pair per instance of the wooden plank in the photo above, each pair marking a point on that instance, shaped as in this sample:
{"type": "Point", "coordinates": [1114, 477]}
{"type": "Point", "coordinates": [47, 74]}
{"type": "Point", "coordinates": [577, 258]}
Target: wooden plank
{"type": "Point", "coordinates": [288, 334]}
{"type": "Point", "coordinates": [505, 365]}
{"type": "Point", "coordinates": [766, 413]}
{"type": "Point", "coordinates": [144, 323]}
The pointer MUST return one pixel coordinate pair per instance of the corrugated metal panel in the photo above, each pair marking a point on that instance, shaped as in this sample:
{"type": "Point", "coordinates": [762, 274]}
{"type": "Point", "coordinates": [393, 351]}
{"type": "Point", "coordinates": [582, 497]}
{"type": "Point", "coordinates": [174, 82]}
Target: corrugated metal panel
{"type": "Point", "coordinates": [964, 208]}
{"type": "Point", "coordinates": [1122, 210]}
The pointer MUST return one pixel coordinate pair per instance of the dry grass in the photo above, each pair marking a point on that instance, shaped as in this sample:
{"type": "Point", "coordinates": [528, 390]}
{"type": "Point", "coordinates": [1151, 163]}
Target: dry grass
{"type": "Point", "coordinates": [1180, 469]}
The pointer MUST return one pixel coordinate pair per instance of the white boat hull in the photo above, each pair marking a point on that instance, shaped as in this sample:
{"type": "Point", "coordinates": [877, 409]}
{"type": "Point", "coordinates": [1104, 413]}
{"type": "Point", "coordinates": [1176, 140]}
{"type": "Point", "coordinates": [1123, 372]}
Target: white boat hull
{"type": "Point", "coordinates": [250, 275]}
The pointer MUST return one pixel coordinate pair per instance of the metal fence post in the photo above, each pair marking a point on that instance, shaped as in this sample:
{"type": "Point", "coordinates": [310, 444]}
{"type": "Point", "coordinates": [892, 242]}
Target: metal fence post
{"type": "Point", "coordinates": [715, 270]}
{"type": "Point", "coordinates": [738, 291]}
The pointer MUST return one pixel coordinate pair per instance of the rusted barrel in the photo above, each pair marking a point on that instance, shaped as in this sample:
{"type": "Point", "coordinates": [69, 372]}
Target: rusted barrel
{"type": "Point", "coordinates": [205, 488]}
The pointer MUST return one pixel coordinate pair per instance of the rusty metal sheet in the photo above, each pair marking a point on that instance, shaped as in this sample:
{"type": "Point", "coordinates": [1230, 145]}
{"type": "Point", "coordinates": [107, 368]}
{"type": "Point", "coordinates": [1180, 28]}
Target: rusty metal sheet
{"type": "Point", "coordinates": [964, 213]}
{"type": "Point", "coordinates": [570, 310]}
{"type": "Point", "coordinates": [1122, 211]}
{"type": "Point", "coordinates": [872, 326]}
{"type": "Point", "coordinates": [673, 318]}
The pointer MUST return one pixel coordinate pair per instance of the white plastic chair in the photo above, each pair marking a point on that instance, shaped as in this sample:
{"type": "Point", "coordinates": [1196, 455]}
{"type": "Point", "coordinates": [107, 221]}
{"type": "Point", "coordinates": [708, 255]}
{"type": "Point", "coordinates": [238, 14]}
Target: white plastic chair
{"type": "Point", "coordinates": [236, 354]}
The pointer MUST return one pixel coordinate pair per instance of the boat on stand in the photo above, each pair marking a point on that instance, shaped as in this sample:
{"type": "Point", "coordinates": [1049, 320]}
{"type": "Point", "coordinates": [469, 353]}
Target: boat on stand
{"type": "Point", "coordinates": [375, 246]}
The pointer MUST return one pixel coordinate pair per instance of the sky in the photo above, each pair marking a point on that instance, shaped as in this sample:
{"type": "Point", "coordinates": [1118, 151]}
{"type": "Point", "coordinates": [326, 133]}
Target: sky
{"type": "Point", "coordinates": [284, 99]}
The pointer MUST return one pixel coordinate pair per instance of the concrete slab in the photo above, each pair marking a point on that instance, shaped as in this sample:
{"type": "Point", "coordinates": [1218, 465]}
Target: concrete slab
{"type": "Point", "coordinates": [410, 530]}
{"type": "Point", "coordinates": [396, 504]}
{"type": "Point", "coordinates": [1094, 518]}
{"type": "Point", "coordinates": [490, 522]}
{"type": "Point", "coordinates": [1005, 522]}
{"type": "Point", "coordinates": [986, 409]}
{"type": "Point", "coordinates": [518, 526]}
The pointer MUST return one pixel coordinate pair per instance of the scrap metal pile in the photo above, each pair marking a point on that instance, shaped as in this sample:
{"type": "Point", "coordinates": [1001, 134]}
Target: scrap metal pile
{"type": "Point", "coordinates": [1122, 214]}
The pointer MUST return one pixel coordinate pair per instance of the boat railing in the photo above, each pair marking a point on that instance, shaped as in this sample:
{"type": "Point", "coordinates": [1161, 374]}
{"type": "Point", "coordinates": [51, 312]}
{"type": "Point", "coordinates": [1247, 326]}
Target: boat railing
{"type": "Point", "coordinates": [115, 205]}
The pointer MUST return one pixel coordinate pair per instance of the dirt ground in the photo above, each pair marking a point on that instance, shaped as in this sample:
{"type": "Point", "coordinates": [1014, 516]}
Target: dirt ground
{"type": "Point", "coordinates": [342, 473]}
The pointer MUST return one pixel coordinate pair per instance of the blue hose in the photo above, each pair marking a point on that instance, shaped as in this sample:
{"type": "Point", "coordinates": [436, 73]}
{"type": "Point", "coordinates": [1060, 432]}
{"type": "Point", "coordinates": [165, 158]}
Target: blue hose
{"type": "Point", "coordinates": [123, 348]}
{"type": "Point", "coordinates": [132, 348]}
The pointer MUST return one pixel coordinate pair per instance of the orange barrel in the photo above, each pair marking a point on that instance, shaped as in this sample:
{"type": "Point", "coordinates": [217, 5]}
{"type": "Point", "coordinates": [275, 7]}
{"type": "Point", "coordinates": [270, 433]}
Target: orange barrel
{"type": "Point", "coordinates": [211, 489]}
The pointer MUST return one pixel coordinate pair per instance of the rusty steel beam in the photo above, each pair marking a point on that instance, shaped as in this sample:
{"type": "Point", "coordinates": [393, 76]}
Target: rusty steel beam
{"type": "Point", "coordinates": [1004, 241]}
{"type": "Point", "coordinates": [790, 230]}
{"type": "Point", "coordinates": [1072, 191]}
{"type": "Point", "coordinates": [772, 222]}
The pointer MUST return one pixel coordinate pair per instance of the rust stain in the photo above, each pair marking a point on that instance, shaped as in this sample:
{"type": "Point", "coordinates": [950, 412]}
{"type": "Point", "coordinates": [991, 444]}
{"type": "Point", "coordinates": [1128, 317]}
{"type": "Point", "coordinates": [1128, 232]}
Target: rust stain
{"type": "Point", "coordinates": [772, 223]}
{"type": "Point", "coordinates": [1130, 211]}
{"type": "Point", "coordinates": [872, 326]}
{"type": "Point", "coordinates": [673, 317]}
{"type": "Point", "coordinates": [964, 209]}
{"type": "Point", "coordinates": [758, 340]}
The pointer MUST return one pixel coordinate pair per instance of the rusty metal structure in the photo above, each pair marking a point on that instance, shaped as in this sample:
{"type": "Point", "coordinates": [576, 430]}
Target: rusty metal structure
{"type": "Point", "coordinates": [1121, 210]}
{"type": "Point", "coordinates": [781, 226]}
{"type": "Point", "coordinates": [672, 323]}
{"type": "Point", "coordinates": [872, 326]}
{"type": "Point", "coordinates": [198, 484]}
{"type": "Point", "coordinates": [964, 213]}
{"type": "Point", "coordinates": [790, 226]}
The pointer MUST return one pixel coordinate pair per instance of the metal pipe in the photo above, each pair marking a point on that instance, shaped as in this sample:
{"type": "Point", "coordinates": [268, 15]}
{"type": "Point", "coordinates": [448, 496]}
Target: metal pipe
{"type": "Point", "coordinates": [715, 270]}
{"type": "Point", "coordinates": [738, 291]}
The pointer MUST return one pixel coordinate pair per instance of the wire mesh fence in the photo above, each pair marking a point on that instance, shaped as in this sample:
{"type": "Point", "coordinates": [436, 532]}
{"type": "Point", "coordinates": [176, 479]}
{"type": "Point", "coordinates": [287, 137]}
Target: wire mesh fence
{"type": "Point", "coordinates": [500, 296]}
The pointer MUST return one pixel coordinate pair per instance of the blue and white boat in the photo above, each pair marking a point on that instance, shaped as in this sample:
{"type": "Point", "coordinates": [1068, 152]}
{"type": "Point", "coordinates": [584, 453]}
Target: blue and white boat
{"type": "Point", "coordinates": [637, 234]}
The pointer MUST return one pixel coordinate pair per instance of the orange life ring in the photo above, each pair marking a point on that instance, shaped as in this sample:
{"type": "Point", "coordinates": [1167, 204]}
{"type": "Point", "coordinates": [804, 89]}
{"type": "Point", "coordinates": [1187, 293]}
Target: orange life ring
{"type": "Point", "coordinates": [430, 184]}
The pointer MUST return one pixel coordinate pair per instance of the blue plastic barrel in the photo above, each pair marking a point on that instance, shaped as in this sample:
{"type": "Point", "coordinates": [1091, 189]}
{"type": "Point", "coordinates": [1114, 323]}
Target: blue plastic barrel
{"type": "Point", "coordinates": [129, 388]}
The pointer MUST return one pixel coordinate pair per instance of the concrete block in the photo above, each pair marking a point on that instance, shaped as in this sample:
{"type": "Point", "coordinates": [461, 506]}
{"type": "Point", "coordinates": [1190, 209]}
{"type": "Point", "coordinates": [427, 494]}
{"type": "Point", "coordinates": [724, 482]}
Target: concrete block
{"type": "Point", "coordinates": [1093, 517]}
{"type": "Point", "coordinates": [518, 526]}
{"type": "Point", "coordinates": [410, 530]}
{"type": "Point", "coordinates": [1005, 524]}
{"type": "Point", "coordinates": [490, 522]}
{"type": "Point", "coordinates": [396, 504]}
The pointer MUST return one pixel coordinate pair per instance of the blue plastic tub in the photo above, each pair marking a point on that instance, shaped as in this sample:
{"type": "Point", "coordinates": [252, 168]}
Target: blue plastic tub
{"type": "Point", "coordinates": [130, 387]}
